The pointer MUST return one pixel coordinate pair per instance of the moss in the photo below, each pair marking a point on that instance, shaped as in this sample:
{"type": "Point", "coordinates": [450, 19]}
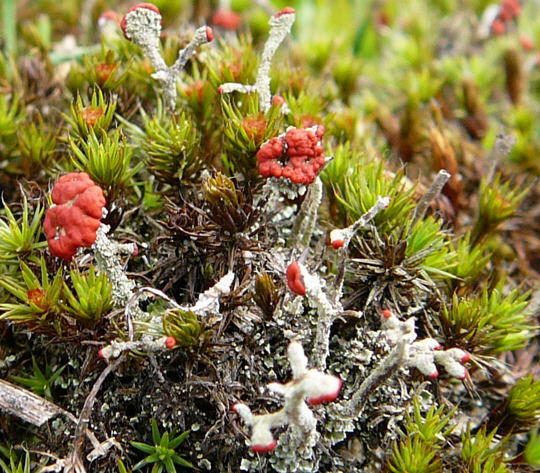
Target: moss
{"type": "Point", "coordinates": [402, 91]}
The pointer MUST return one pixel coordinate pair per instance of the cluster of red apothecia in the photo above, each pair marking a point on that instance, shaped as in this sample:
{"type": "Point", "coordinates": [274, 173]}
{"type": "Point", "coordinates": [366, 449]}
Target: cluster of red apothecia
{"type": "Point", "coordinates": [73, 222]}
{"type": "Point", "coordinates": [226, 19]}
{"type": "Point", "coordinates": [297, 155]}
{"type": "Point", "coordinates": [508, 11]}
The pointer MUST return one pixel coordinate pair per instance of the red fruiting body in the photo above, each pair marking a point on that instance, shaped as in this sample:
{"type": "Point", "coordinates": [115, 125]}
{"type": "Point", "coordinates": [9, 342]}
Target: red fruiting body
{"type": "Point", "coordinates": [337, 244]}
{"type": "Point", "coordinates": [74, 221]}
{"type": "Point", "coordinates": [285, 11]}
{"type": "Point", "coordinates": [434, 375]}
{"type": "Point", "coordinates": [295, 280]}
{"type": "Point", "coordinates": [220, 90]}
{"type": "Point", "coordinates": [509, 9]}
{"type": "Point", "coordinates": [170, 342]}
{"type": "Point", "coordinates": [505, 13]}
{"type": "Point", "coordinates": [329, 397]}
{"type": "Point", "coordinates": [386, 313]}
{"type": "Point", "coordinates": [297, 156]}
{"type": "Point", "coordinates": [263, 448]}
{"type": "Point", "coordinates": [110, 15]}
{"type": "Point", "coordinates": [100, 354]}
{"type": "Point", "coordinates": [148, 6]}
{"type": "Point", "coordinates": [526, 43]}
{"type": "Point", "coordinates": [226, 19]}
{"type": "Point", "coordinates": [278, 100]}
{"type": "Point", "coordinates": [465, 358]}
{"type": "Point", "coordinates": [209, 34]}
{"type": "Point", "coordinates": [497, 27]}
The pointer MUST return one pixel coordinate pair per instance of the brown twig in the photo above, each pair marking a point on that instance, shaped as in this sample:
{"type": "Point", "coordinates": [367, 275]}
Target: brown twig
{"type": "Point", "coordinates": [74, 463]}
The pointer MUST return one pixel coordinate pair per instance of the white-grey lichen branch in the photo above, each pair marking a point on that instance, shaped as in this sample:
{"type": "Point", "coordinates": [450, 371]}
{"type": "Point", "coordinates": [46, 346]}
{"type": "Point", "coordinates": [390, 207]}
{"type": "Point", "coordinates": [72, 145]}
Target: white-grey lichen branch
{"type": "Point", "coordinates": [107, 253]}
{"type": "Point", "coordinates": [208, 302]}
{"type": "Point", "coordinates": [280, 26]}
{"type": "Point", "coordinates": [326, 314]}
{"type": "Point", "coordinates": [146, 344]}
{"type": "Point", "coordinates": [307, 218]}
{"type": "Point", "coordinates": [340, 238]}
{"type": "Point", "coordinates": [433, 192]}
{"type": "Point", "coordinates": [406, 351]}
{"type": "Point", "coordinates": [307, 387]}
{"type": "Point", "coordinates": [142, 25]}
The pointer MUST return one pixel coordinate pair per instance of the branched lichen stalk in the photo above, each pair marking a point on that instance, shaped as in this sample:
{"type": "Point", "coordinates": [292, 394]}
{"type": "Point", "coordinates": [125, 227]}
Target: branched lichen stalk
{"type": "Point", "coordinates": [168, 76]}
{"type": "Point", "coordinates": [395, 359]}
{"type": "Point", "coordinates": [422, 355]}
{"type": "Point", "coordinates": [436, 187]}
{"type": "Point", "coordinates": [107, 258]}
{"type": "Point", "coordinates": [307, 388]}
{"type": "Point", "coordinates": [142, 25]}
{"type": "Point", "coordinates": [280, 26]}
{"type": "Point", "coordinates": [345, 235]}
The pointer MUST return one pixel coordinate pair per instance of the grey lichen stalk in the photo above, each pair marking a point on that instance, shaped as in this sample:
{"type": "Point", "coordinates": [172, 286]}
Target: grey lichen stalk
{"type": "Point", "coordinates": [108, 253]}
{"type": "Point", "coordinates": [143, 27]}
{"type": "Point", "coordinates": [145, 332]}
{"type": "Point", "coordinates": [307, 218]}
{"type": "Point", "coordinates": [341, 238]}
{"type": "Point", "coordinates": [280, 26]}
{"type": "Point", "coordinates": [439, 182]}
{"type": "Point", "coordinates": [146, 344]}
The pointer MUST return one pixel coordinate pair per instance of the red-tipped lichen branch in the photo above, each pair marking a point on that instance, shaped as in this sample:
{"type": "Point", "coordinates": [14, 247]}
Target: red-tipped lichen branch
{"type": "Point", "coordinates": [423, 355]}
{"type": "Point", "coordinates": [303, 283]}
{"type": "Point", "coordinates": [340, 239]}
{"type": "Point", "coordinates": [308, 387]}
{"type": "Point", "coordinates": [154, 339]}
{"type": "Point", "coordinates": [142, 25]}
{"type": "Point", "coordinates": [426, 353]}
